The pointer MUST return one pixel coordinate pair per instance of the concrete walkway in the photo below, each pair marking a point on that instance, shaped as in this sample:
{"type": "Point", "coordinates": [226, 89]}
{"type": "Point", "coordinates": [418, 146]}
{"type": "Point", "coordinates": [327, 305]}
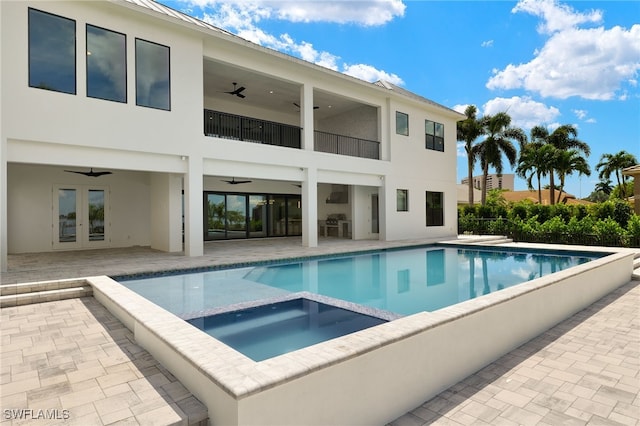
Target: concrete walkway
{"type": "Point", "coordinates": [74, 358]}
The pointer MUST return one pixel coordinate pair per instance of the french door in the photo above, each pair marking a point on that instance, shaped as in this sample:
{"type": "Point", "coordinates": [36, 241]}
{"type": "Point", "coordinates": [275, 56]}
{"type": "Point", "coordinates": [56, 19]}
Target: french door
{"type": "Point", "coordinates": [80, 216]}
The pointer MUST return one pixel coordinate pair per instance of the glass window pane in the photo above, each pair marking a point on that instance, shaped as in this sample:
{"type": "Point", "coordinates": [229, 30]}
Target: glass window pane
{"type": "Point", "coordinates": [96, 215]}
{"type": "Point", "coordinates": [106, 64]}
{"type": "Point", "coordinates": [439, 130]}
{"type": "Point", "coordinates": [429, 142]}
{"type": "Point", "coordinates": [153, 85]}
{"type": "Point", "coordinates": [402, 200]}
{"type": "Point", "coordinates": [402, 123]}
{"type": "Point", "coordinates": [439, 144]}
{"type": "Point", "coordinates": [429, 127]}
{"type": "Point", "coordinates": [435, 209]}
{"type": "Point", "coordinates": [294, 216]}
{"type": "Point", "coordinates": [236, 216]}
{"type": "Point", "coordinates": [52, 52]}
{"type": "Point", "coordinates": [67, 215]}
{"type": "Point", "coordinates": [277, 214]}
{"type": "Point", "coordinates": [215, 226]}
{"type": "Point", "coordinates": [258, 219]}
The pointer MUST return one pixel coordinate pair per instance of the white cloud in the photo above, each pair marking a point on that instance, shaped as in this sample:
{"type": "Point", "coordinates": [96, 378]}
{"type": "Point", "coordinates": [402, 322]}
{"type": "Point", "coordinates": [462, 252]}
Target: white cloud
{"type": "Point", "coordinates": [242, 18]}
{"type": "Point", "coordinates": [556, 17]}
{"type": "Point", "coordinates": [524, 111]}
{"type": "Point", "coordinates": [460, 108]}
{"type": "Point", "coordinates": [365, 12]}
{"type": "Point", "coordinates": [369, 73]}
{"type": "Point", "coordinates": [369, 13]}
{"type": "Point", "coordinates": [592, 63]}
{"type": "Point", "coordinates": [488, 43]}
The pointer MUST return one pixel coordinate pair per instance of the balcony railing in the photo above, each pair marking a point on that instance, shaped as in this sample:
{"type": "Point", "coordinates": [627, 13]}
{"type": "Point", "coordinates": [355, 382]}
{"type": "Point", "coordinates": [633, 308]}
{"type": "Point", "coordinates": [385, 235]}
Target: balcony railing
{"type": "Point", "coordinates": [346, 145]}
{"type": "Point", "coordinates": [230, 126]}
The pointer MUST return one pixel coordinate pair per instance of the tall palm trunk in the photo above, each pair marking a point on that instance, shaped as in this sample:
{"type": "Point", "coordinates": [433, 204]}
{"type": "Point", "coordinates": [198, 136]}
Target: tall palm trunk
{"type": "Point", "coordinates": [552, 188]}
{"type": "Point", "coordinates": [470, 173]}
{"type": "Point", "coordinates": [485, 173]}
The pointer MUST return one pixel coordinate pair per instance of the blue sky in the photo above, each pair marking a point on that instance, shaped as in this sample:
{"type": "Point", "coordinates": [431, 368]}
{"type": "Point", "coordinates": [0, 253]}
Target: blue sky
{"type": "Point", "coordinates": [545, 62]}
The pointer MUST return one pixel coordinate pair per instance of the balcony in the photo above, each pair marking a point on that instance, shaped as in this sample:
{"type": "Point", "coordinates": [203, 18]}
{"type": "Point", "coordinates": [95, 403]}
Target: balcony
{"type": "Point", "coordinates": [236, 127]}
{"type": "Point", "coordinates": [229, 126]}
{"type": "Point", "coordinates": [346, 145]}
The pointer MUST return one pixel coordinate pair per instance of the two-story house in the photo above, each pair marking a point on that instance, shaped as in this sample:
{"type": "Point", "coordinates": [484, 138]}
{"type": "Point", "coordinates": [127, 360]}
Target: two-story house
{"type": "Point", "coordinates": [126, 123]}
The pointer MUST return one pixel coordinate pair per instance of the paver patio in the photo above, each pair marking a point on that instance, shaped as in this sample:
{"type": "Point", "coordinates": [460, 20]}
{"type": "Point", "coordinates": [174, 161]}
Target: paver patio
{"type": "Point", "coordinates": [74, 355]}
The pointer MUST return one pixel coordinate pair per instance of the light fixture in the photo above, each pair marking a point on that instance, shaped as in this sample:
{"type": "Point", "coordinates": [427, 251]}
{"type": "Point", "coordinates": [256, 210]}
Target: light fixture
{"type": "Point", "coordinates": [183, 158]}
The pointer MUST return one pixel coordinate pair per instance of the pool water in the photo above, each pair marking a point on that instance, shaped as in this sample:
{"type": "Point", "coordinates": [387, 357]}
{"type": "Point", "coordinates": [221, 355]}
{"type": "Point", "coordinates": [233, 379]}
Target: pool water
{"type": "Point", "coordinates": [269, 330]}
{"type": "Point", "coordinates": [402, 282]}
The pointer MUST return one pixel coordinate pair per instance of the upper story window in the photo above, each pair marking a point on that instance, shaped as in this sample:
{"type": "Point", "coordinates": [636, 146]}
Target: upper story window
{"type": "Point", "coordinates": [106, 64]}
{"type": "Point", "coordinates": [153, 81]}
{"type": "Point", "coordinates": [402, 200]}
{"type": "Point", "coordinates": [52, 52]}
{"type": "Point", "coordinates": [402, 123]}
{"type": "Point", "coordinates": [434, 133]}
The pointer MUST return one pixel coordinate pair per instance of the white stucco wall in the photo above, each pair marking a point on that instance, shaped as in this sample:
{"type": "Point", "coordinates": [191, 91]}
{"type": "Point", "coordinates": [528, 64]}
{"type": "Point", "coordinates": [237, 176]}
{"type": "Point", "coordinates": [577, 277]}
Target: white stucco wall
{"type": "Point", "coordinates": [62, 130]}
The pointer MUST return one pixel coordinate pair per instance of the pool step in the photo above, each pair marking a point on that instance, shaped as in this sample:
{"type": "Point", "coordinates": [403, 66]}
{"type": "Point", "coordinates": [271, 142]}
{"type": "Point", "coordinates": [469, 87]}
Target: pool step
{"type": "Point", "coordinates": [43, 291]}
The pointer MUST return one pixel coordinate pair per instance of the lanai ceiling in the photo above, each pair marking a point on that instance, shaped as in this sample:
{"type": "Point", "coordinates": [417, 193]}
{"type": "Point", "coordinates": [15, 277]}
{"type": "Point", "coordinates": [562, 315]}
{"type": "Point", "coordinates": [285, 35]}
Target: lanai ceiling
{"type": "Point", "coordinates": [267, 92]}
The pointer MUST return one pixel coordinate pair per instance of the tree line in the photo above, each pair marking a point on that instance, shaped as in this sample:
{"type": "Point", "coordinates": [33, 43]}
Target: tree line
{"type": "Point", "coordinates": [544, 154]}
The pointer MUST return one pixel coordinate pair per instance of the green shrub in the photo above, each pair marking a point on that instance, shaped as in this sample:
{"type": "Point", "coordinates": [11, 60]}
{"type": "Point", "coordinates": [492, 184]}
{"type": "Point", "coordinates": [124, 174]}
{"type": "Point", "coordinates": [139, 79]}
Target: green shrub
{"type": "Point", "coordinates": [622, 212]}
{"type": "Point", "coordinates": [555, 225]}
{"type": "Point", "coordinates": [518, 210]}
{"type": "Point", "coordinates": [561, 210]}
{"type": "Point", "coordinates": [633, 226]}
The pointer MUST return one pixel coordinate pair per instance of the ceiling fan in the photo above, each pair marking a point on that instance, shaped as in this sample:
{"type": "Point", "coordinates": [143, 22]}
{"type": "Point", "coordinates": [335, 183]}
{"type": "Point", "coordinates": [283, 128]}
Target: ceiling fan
{"type": "Point", "coordinates": [90, 173]}
{"type": "Point", "coordinates": [237, 90]}
{"type": "Point", "coordinates": [233, 181]}
{"type": "Point", "coordinates": [315, 107]}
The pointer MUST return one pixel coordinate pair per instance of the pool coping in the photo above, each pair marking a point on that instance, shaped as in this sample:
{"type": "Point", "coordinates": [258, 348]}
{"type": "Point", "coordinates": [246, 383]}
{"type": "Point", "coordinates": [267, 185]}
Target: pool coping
{"type": "Point", "coordinates": [250, 378]}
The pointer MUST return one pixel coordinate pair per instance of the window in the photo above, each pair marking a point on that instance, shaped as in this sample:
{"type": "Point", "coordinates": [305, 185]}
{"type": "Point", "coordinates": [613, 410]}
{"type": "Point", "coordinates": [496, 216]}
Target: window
{"type": "Point", "coordinates": [52, 52]}
{"type": "Point", "coordinates": [435, 209]}
{"type": "Point", "coordinates": [106, 64]}
{"type": "Point", "coordinates": [402, 123]}
{"type": "Point", "coordinates": [153, 84]}
{"type": "Point", "coordinates": [402, 200]}
{"type": "Point", "coordinates": [434, 135]}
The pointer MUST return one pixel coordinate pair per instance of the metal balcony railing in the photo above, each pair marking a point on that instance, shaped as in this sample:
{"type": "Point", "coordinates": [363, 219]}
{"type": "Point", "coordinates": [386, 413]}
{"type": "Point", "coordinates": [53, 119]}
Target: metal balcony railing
{"type": "Point", "coordinates": [346, 145]}
{"type": "Point", "coordinates": [230, 126]}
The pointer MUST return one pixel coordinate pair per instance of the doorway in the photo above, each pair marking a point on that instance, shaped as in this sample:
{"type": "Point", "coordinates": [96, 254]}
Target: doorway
{"type": "Point", "coordinates": [81, 216]}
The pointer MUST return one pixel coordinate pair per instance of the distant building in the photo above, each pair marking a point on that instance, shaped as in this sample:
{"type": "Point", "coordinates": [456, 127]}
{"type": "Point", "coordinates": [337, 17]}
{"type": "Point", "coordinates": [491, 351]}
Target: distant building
{"type": "Point", "coordinates": [494, 181]}
{"type": "Point", "coordinates": [634, 171]}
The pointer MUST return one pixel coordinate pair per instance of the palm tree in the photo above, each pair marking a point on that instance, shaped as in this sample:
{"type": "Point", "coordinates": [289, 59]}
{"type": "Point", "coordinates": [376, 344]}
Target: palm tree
{"type": "Point", "coordinates": [567, 162]}
{"type": "Point", "coordinates": [498, 141]}
{"type": "Point", "coordinates": [613, 164]}
{"type": "Point", "coordinates": [604, 186]}
{"type": "Point", "coordinates": [536, 159]}
{"type": "Point", "coordinates": [564, 137]}
{"type": "Point", "coordinates": [468, 130]}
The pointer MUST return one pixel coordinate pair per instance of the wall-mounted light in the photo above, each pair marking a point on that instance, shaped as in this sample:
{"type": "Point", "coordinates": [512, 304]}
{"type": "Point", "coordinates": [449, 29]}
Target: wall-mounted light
{"type": "Point", "coordinates": [183, 158]}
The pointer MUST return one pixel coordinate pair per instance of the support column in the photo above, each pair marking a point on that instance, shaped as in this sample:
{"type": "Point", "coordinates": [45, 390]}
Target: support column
{"type": "Point", "coordinates": [306, 116]}
{"type": "Point", "coordinates": [193, 208]}
{"type": "Point", "coordinates": [310, 208]}
{"type": "Point", "coordinates": [166, 212]}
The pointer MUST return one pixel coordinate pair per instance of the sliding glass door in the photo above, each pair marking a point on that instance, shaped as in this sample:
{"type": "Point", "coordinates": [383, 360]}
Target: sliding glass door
{"type": "Point", "coordinates": [240, 215]}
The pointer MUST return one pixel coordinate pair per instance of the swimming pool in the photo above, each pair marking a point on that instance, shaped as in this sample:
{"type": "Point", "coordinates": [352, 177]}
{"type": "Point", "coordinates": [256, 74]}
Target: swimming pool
{"type": "Point", "coordinates": [400, 282]}
{"type": "Point", "coordinates": [392, 367]}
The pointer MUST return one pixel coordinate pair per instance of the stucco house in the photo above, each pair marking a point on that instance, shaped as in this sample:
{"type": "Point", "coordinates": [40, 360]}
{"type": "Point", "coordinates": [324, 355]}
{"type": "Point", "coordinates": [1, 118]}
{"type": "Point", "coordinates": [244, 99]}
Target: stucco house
{"type": "Point", "coordinates": [126, 123]}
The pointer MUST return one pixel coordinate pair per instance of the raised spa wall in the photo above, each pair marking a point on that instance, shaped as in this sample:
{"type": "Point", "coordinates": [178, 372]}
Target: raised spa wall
{"type": "Point", "coordinates": [369, 377]}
